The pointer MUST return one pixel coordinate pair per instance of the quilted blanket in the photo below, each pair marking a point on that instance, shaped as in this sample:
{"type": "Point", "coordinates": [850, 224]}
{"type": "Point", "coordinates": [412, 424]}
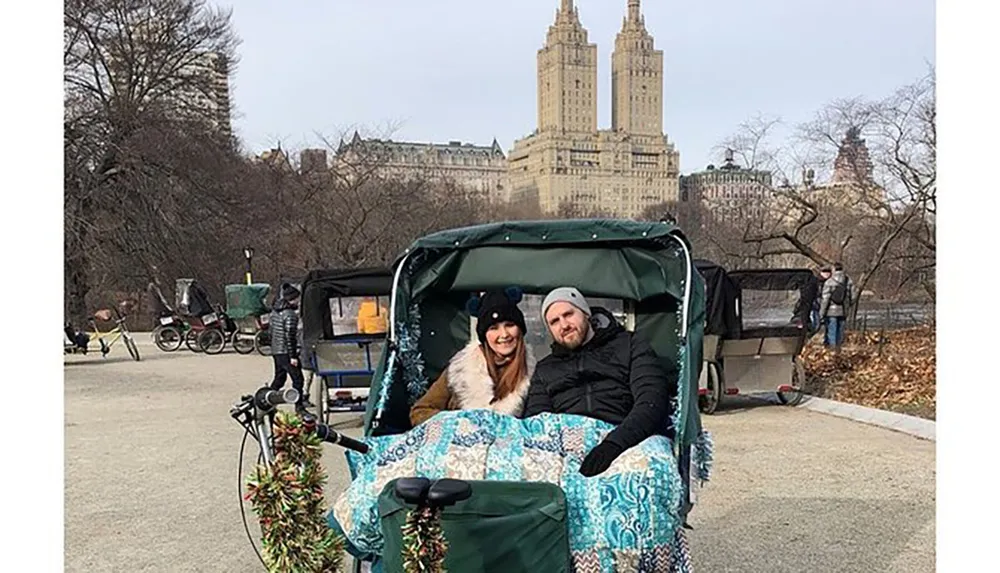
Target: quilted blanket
{"type": "Point", "coordinates": [626, 519]}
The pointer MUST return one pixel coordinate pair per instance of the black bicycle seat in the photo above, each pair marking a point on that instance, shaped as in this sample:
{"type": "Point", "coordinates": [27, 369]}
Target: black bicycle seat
{"type": "Point", "coordinates": [445, 492]}
{"type": "Point", "coordinates": [413, 490]}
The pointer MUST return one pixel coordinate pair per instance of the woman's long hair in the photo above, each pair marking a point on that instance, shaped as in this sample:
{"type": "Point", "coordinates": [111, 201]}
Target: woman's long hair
{"type": "Point", "coordinates": [506, 381]}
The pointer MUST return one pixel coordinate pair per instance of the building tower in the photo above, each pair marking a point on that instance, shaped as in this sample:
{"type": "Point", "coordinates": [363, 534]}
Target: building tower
{"type": "Point", "coordinates": [636, 78]}
{"type": "Point", "coordinates": [567, 76]}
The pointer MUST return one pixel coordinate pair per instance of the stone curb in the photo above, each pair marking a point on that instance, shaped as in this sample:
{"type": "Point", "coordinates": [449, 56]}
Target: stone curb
{"type": "Point", "coordinates": [912, 425]}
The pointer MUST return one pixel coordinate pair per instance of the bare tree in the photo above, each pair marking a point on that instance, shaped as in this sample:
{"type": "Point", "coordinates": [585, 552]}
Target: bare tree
{"type": "Point", "coordinates": [858, 181]}
{"type": "Point", "coordinates": [137, 74]}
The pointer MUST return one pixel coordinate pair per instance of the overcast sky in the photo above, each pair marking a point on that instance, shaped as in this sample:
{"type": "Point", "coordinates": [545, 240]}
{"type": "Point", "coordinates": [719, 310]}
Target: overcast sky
{"type": "Point", "coordinates": [440, 70]}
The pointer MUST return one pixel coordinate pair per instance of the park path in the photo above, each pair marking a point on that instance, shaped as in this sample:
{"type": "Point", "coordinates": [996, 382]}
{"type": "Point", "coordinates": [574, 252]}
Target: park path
{"type": "Point", "coordinates": [151, 477]}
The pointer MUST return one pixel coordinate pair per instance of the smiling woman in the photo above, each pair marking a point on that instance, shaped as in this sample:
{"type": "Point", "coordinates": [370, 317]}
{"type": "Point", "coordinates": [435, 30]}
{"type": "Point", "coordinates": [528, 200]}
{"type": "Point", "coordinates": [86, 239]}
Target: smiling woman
{"type": "Point", "coordinates": [493, 370]}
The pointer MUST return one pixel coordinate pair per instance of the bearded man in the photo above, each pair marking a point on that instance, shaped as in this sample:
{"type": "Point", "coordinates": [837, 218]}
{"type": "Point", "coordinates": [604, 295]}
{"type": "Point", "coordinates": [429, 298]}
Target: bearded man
{"type": "Point", "coordinates": [599, 369]}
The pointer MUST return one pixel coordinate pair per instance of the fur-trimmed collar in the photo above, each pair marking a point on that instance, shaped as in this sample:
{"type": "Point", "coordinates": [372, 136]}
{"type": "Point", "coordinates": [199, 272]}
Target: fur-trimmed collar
{"type": "Point", "coordinates": [469, 380]}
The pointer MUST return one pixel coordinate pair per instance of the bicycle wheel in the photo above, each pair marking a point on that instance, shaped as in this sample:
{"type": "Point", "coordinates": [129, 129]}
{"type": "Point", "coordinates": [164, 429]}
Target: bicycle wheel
{"type": "Point", "coordinates": [168, 338]}
{"type": "Point", "coordinates": [212, 341]}
{"type": "Point", "coordinates": [243, 343]}
{"type": "Point", "coordinates": [262, 342]}
{"type": "Point", "coordinates": [132, 348]}
{"type": "Point", "coordinates": [191, 340]}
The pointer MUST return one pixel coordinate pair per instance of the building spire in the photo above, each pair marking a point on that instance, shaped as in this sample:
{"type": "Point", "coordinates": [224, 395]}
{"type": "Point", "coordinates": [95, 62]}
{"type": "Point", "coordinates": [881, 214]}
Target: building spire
{"type": "Point", "coordinates": [567, 6]}
{"type": "Point", "coordinates": [634, 13]}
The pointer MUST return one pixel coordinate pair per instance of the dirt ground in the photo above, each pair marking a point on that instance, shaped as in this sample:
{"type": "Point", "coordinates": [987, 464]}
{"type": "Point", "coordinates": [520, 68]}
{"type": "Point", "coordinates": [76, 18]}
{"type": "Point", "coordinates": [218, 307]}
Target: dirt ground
{"type": "Point", "coordinates": [152, 478]}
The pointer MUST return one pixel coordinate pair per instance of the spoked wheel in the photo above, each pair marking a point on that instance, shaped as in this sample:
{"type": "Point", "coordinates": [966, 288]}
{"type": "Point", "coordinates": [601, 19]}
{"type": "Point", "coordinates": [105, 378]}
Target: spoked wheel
{"type": "Point", "coordinates": [710, 401]}
{"type": "Point", "coordinates": [168, 338]}
{"type": "Point", "coordinates": [191, 340]}
{"type": "Point", "coordinates": [322, 399]}
{"type": "Point", "coordinates": [243, 343]}
{"type": "Point", "coordinates": [133, 350]}
{"type": "Point", "coordinates": [262, 342]}
{"type": "Point", "coordinates": [792, 395]}
{"type": "Point", "coordinates": [212, 341]}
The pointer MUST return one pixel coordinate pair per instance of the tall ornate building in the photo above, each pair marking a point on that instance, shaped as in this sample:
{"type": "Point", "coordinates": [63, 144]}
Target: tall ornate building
{"type": "Point", "coordinates": [567, 159]}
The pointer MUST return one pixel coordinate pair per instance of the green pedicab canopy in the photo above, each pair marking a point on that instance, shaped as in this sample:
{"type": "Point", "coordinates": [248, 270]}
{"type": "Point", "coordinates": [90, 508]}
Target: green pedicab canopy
{"type": "Point", "coordinates": [642, 262]}
{"type": "Point", "coordinates": [245, 301]}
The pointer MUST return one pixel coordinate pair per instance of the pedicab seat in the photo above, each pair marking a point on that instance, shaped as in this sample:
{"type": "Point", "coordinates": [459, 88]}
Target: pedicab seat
{"type": "Point", "coordinates": [444, 492]}
{"type": "Point", "coordinates": [413, 490]}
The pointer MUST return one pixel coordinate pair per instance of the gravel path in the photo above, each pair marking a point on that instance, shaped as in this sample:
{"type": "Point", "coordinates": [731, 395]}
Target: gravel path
{"type": "Point", "coordinates": [151, 477]}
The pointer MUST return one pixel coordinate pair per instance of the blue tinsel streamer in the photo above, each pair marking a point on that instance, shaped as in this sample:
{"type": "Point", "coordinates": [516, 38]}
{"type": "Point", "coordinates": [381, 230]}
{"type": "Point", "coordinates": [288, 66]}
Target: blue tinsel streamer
{"type": "Point", "coordinates": [383, 393]}
{"type": "Point", "coordinates": [704, 449]}
{"type": "Point", "coordinates": [410, 357]}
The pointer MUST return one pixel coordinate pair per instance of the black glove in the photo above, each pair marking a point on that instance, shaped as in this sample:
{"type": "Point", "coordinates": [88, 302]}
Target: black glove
{"type": "Point", "coordinates": [599, 459]}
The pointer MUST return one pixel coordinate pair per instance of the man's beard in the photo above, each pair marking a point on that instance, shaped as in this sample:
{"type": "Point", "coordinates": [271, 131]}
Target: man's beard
{"type": "Point", "coordinates": [578, 338]}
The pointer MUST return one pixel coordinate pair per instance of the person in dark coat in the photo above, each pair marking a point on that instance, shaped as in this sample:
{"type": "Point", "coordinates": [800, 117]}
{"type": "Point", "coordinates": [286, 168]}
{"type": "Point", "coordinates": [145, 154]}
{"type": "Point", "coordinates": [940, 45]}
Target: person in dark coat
{"type": "Point", "coordinates": [599, 369]}
{"type": "Point", "coordinates": [285, 343]}
{"type": "Point", "coordinates": [837, 298]}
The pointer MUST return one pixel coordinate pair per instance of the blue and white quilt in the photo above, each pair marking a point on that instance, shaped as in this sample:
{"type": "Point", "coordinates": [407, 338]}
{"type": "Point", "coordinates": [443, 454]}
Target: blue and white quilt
{"type": "Point", "coordinates": [626, 519]}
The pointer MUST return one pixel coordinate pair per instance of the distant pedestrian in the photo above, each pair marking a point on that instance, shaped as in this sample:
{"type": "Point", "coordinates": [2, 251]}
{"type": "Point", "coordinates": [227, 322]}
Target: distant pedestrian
{"type": "Point", "coordinates": [838, 296]}
{"type": "Point", "coordinates": [822, 274]}
{"type": "Point", "coordinates": [286, 343]}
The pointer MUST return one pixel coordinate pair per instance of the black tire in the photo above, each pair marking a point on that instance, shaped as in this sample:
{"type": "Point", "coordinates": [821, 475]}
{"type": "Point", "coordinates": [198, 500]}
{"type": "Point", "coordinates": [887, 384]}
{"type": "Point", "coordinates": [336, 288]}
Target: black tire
{"type": "Point", "coordinates": [262, 342]}
{"type": "Point", "coordinates": [212, 341]}
{"type": "Point", "coordinates": [191, 340]}
{"type": "Point", "coordinates": [793, 397]}
{"type": "Point", "coordinates": [710, 402]}
{"type": "Point", "coordinates": [168, 338]}
{"type": "Point", "coordinates": [243, 343]}
{"type": "Point", "coordinates": [133, 350]}
{"type": "Point", "coordinates": [323, 399]}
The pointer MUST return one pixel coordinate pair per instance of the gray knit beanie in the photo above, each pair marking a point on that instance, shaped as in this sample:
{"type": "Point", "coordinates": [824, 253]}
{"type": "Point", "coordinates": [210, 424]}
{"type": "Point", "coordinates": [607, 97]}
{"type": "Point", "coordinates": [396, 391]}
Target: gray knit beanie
{"type": "Point", "coordinates": [565, 294]}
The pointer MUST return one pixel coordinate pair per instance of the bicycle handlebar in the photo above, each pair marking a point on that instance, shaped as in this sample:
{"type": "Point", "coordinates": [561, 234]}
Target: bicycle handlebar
{"type": "Point", "coordinates": [328, 434]}
{"type": "Point", "coordinates": [267, 398]}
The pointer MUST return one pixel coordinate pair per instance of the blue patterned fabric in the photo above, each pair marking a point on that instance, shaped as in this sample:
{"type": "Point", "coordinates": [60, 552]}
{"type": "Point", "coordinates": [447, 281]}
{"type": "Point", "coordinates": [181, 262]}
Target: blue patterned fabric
{"type": "Point", "coordinates": [626, 516]}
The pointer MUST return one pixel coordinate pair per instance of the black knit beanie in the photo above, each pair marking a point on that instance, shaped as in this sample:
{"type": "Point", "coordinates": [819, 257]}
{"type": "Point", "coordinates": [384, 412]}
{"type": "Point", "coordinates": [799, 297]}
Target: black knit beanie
{"type": "Point", "coordinates": [495, 307]}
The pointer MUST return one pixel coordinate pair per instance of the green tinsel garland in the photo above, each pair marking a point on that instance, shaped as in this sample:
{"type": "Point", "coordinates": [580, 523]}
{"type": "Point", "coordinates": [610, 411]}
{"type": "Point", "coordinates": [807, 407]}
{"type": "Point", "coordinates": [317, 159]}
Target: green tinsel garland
{"type": "Point", "coordinates": [424, 546]}
{"type": "Point", "coordinates": [288, 499]}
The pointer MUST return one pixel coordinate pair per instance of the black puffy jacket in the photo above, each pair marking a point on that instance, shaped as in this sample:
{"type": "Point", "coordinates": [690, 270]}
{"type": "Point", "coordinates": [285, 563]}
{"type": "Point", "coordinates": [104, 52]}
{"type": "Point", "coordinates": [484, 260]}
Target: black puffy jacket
{"type": "Point", "coordinates": [283, 327]}
{"type": "Point", "coordinates": [616, 377]}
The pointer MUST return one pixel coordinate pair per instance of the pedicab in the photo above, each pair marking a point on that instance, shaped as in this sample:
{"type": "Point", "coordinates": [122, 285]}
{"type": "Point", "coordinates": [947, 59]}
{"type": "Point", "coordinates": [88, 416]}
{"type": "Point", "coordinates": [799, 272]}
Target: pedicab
{"type": "Point", "coordinates": [722, 322]}
{"type": "Point", "coordinates": [762, 355]}
{"type": "Point", "coordinates": [541, 514]}
{"type": "Point", "coordinates": [344, 328]}
{"type": "Point", "coordinates": [195, 310]}
{"type": "Point", "coordinates": [246, 306]}
{"type": "Point", "coordinates": [168, 334]}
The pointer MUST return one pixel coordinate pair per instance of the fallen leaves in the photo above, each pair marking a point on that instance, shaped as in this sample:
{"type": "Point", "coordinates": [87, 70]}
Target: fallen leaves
{"type": "Point", "coordinates": [893, 370]}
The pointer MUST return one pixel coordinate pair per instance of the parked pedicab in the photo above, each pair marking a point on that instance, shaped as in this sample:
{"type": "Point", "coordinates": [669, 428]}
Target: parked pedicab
{"type": "Point", "coordinates": [759, 353]}
{"type": "Point", "coordinates": [722, 322]}
{"type": "Point", "coordinates": [506, 520]}
{"type": "Point", "coordinates": [246, 307]}
{"type": "Point", "coordinates": [344, 327]}
{"type": "Point", "coordinates": [170, 329]}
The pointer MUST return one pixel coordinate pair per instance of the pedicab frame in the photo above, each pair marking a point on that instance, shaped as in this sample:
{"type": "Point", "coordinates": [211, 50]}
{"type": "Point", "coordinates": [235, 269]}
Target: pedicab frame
{"type": "Point", "coordinates": [322, 345]}
{"type": "Point", "coordinates": [743, 358]}
{"type": "Point", "coordinates": [646, 265]}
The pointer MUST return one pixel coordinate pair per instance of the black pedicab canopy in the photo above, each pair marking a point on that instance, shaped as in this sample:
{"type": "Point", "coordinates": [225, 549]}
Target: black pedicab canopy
{"type": "Point", "coordinates": [192, 298]}
{"type": "Point", "coordinates": [722, 300]}
{"type": "Point", "coordinates": [776, 319]}
{"type": "Point", "coordinates": [320, 286]}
